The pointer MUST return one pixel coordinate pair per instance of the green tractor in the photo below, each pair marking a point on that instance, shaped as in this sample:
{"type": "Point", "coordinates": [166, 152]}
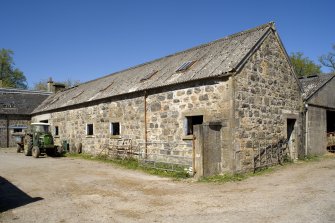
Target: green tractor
{"type": "Point", "coordinates": [38, 141]}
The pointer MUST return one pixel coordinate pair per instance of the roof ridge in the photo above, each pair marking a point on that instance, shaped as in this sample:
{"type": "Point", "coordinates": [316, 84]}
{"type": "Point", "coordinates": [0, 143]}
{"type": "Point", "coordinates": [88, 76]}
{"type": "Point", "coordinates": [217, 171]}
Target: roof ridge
{"type": "Point", "coordinates": [269, 24]}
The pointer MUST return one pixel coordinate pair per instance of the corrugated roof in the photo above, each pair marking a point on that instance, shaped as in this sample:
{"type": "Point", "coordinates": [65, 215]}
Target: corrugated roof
{"type": "Point", "coordinates": [313, 83]}
{"type": "Point", "coordinates": [17, 101]}
{"type": "Point", "coordinates": [212, 59]}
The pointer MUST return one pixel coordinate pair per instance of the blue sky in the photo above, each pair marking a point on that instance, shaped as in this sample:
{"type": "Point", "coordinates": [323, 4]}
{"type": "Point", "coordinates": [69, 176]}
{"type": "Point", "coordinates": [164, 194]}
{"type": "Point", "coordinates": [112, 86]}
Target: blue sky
{"type": "Point", "coordinates": [83, 40]}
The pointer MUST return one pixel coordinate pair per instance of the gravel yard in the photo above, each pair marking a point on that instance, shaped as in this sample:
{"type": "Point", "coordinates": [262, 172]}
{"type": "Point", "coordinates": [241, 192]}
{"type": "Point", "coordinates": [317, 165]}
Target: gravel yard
{"type": "Point", "coordinates": [75, 190]}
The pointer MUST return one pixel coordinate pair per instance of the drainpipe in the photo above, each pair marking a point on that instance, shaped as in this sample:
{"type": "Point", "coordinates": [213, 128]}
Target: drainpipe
{"type": "Point", "coordinates": [7, 128]}
{"type": "Point", "coordinates": [145, 123]}
{"type": "Point", "coordinates": [306, 129]}
{"type": "Point", "coordinates": [235, 164]}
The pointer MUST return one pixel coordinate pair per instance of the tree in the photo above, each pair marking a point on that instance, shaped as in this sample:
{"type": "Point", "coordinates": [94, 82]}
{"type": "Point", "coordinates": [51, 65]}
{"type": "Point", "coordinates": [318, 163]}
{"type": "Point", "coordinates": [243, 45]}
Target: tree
{"type": "Point", "coordinates": [10, 76]}
{"type": "Point", "coordinates": [43, 84]}
{"type": "Point", "coordinates": [303, 66]}
{"type": "Point", "coordinates": [328, 60]}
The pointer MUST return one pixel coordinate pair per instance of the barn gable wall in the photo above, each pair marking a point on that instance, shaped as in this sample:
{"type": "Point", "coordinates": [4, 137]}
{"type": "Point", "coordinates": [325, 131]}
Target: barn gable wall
{"type": "Point", "coordinates": [267, 93]}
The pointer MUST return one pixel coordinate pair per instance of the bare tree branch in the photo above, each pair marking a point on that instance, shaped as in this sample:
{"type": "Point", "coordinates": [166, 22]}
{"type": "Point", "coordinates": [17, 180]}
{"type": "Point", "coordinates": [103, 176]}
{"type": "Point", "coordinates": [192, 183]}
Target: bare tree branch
{"type": "Point", "coordinates": [328, 60]}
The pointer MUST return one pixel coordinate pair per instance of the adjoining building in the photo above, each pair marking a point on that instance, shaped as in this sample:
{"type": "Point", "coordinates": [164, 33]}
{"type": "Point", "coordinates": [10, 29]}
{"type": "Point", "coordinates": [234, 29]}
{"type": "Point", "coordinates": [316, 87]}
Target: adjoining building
{"type": "Point", "coordinates": [243, 85]}
{"type": "Point", "coordinates": [319, 99]}
{"type": "Point", "coordinates": [16, 106]}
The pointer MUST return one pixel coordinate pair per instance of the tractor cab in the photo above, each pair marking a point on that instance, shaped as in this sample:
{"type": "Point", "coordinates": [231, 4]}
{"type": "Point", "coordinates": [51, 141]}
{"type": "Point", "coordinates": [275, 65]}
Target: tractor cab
{"type": "Point", "coordinates": [40, 127]}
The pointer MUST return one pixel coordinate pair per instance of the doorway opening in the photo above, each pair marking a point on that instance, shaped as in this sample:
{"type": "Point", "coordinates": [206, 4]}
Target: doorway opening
{"type": "Point", "coordinates": [330, 130]}
{"type": "Point", "coordinates": [291, 138]}
{"type": "Point", "coordinates": [330, 121]}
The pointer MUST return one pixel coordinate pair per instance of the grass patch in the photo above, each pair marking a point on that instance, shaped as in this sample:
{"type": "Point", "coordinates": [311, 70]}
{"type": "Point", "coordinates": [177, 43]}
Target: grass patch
{"type": "Point", "coordinates": [233, 177]}
{"type": "Point", "coordinates": [132, 164]}
{"type": "Point", "coordinates": [311, 158]}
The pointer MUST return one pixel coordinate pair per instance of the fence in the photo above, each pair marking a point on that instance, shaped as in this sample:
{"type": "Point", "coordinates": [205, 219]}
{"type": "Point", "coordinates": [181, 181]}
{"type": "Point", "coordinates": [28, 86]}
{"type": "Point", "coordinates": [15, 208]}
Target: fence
{"type": "Point", "coordinates": [271, 155]}
{"type": "Point", "coordinates": [117, 148]}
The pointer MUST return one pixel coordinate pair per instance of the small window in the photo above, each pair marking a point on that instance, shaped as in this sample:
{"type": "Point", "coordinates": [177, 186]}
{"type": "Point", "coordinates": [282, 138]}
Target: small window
{"type": "Point", "coordinates": [56, 131]}
{"type": "Point", "coordinates": [191, 121]}
{"type": "Point", "coordinates": [17, 130]}
{"type": "Point", "coordinates": [89, 129]}
{"type": "Point", "coordinates": [148, 76]}
{"type": "Point", "coordinates": [115, 128]}
{"type": "Point", "coordinates": [185, 66]}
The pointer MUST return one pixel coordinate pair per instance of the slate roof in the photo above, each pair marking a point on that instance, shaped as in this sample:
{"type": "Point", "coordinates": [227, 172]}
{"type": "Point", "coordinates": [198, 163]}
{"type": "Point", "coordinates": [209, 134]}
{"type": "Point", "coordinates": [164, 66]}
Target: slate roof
{"type": "Point", "coordinates": [216, 58]}
{"type": "Point", "coordinates": [22, 102]}
{"type": "Point", "coordinates": [313, 83]}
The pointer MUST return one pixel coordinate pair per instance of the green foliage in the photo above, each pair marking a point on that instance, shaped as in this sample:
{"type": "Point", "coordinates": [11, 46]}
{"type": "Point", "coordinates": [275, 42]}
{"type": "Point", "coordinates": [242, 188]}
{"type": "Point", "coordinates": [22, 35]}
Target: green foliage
{"type": "Point", "coordinates": [328, 60]}
{"type": "Point", "coordinates": [233, 177]}
{"type": "Point", "coordinates": [224, 178]}
{"type": "Point", "coordinates": [43, 84]}
{"type": "Point", "coordinates": [309, 158]}
{"type": "Point", "coordinates": [132, 164]}
{"type": "Point", "coordinates": [303, 66]}
{"type": "Point", "coordinates": [10, 76]}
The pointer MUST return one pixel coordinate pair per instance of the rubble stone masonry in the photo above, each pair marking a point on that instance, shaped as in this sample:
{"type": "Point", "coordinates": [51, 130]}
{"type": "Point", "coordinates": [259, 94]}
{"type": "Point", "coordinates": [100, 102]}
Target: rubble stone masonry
{"type": "Point", "coordinates": [166, 112]}
{"type": "Point", "coordinates": [267, 94]}
{"type": "Point", "coordinates": [252, 106]}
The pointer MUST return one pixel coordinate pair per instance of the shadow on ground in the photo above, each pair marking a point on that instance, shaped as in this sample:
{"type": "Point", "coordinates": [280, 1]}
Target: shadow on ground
{"type": "Point", "coordinates": [12, 197]}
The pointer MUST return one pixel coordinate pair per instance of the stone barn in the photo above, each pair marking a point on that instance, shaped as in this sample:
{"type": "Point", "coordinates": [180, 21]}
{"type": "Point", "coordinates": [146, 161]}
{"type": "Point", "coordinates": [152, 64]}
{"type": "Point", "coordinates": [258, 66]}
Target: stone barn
{"type": "Point", "coordinates": [240, 89]}
{"type": "Point", "coordinates": [16, 106]}
{"type": "Point", "coordinates": [319, 99]}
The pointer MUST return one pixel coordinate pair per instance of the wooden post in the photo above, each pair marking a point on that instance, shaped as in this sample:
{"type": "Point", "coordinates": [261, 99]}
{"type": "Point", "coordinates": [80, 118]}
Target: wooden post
{"type": "Point", "coordinates": [145, 124]}
{"type": "Point", "coordinates": [7, 129]}
{"type": "Point", "coordinates": [193, 155]}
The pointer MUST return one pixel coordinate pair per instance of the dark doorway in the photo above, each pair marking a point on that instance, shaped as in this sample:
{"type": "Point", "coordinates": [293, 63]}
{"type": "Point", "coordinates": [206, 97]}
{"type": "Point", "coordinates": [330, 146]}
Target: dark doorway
{"type": "Point", "coordinates": [330, 121]}
{"type": "Point", "coordinates": [290, 127]}
{"type": "Point", "coordinates": [291, 138]}
{"type": "Point", "coordinates": [44, 121]}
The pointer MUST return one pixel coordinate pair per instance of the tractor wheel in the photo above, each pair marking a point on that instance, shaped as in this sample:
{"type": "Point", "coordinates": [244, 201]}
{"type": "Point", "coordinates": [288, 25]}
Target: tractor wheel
{"type": "Point", "coordinates": [51, 152]}
{"type": "Point", "coordinates": [28, 145]}
{"type": "Point", "coordinates": [36, 151]}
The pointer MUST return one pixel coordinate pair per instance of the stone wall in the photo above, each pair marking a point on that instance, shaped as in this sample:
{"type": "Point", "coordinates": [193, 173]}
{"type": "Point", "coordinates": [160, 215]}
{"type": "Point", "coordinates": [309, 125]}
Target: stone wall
{"type": "Point", "coordinates": [14, 120]}
{"type": "Point", "coordinates": [166, 112]}
{"type": "Point", "coordinates": [316, 131]}
{"type": "Point", "coordinates": [267, 93]}
{"type": "Point", "coordinates": [3, 131]}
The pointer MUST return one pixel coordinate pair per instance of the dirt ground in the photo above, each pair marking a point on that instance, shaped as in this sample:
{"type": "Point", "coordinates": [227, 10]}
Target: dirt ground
{"type": "Point", "coordinates": [74, 190]}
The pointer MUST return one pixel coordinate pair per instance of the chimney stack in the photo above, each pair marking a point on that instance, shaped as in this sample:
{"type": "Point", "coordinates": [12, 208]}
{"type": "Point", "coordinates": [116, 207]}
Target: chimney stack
{"type": "Point", "coordinates": [50, 85]}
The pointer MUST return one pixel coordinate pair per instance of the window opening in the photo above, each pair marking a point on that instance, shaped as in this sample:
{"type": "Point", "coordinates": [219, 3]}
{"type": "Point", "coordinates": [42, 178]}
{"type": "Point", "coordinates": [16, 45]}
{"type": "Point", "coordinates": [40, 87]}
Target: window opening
{"type": "Point", "coordinates": [56, 131]}
{"type": "Point", "coordinates": [17, 130]}
{"type": "Point", "coordinates": [115, 128]}
{"type": "Point", "coordinates": [89, 129]}
{"type": "Point", "coordinates": [185, 66]}
{"type": "Point", "coordinates": [148, 76]}
{"type": "Point", "coordinates": [192, 121]}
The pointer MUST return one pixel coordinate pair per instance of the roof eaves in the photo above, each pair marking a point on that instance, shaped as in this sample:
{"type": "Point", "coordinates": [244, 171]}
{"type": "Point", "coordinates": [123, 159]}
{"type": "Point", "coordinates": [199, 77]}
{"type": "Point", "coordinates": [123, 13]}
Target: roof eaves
{"type": "Point", "coordinates": [38, 112]}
